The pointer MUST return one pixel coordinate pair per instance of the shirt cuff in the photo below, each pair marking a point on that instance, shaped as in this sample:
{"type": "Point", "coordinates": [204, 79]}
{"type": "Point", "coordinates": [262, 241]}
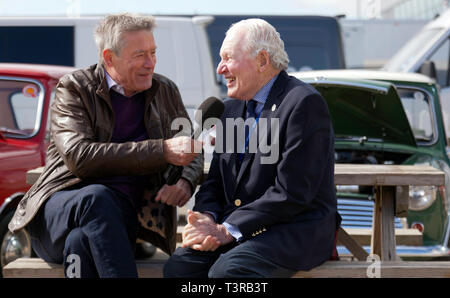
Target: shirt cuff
{"type": "Point", "coordinates": [233, 230]}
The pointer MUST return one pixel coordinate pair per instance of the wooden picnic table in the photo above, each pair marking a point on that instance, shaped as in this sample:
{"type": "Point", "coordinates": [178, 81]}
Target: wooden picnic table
{"type": "Point", "coordinates": [391, 197]}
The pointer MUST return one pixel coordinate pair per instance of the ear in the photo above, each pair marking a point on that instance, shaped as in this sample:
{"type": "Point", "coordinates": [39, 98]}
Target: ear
{"type": "Point", "coordinates": [107, 57]}
{"type": "Point", "coordinates": [263, 60]}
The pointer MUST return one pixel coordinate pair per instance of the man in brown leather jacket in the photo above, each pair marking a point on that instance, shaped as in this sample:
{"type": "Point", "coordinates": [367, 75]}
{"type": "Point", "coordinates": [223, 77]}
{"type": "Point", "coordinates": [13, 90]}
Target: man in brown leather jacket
{"type": "Point", "coordinates": [111, 141]}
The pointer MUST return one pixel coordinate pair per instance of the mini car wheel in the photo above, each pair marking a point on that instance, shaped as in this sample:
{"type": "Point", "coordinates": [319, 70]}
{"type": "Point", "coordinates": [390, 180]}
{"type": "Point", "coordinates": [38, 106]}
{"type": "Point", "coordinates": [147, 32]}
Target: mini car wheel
{"type": "Point", "coordinates": [15, 245]}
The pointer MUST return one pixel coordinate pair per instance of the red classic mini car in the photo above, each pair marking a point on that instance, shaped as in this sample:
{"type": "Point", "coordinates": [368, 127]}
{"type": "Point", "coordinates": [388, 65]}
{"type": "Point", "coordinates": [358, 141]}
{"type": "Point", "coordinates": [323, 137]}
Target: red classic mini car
{"type": "Point", "coordinates": [26, 91]}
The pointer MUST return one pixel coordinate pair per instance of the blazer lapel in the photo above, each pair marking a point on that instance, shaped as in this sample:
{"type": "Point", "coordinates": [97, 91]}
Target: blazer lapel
{"type": "Point", "coordinates": [272, 103]}
{"type": "Point", "coordinates": [229, 160]}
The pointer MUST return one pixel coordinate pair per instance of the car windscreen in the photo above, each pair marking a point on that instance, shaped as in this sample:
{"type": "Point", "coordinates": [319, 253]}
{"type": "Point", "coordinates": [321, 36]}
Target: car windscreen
{"type": "Point", "coordinates": [20, 107]}
{"type": "Point", "coordinates": [418, 109]}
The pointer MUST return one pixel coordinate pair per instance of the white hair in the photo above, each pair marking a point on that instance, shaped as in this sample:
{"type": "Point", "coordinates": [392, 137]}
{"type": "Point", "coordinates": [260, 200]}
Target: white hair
{"type": "Point", "coordinates": [260, 35]}
{"type": "Point", "coordinates": [109, 32]}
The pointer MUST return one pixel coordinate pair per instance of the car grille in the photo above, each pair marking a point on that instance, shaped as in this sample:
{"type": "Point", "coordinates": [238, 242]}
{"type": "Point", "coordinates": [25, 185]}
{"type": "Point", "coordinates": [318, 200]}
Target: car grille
{"type": "Point", "coordinates": [358, 213]}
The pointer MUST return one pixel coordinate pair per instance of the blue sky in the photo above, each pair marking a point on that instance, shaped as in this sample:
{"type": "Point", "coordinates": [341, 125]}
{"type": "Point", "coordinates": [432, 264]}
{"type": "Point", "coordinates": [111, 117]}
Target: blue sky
{"type": "Point", "coordinates": [100, 7]}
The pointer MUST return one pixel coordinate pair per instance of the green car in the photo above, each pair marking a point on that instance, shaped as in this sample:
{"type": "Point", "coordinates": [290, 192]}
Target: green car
{"type": "Point", "coordinates": [389, 118]}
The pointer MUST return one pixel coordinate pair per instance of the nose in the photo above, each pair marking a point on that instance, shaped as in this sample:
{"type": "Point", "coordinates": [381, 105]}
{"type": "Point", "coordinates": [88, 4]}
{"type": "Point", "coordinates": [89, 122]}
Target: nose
{"type": "Point", "coordinates": [150, 61]}
{"type": "Point", "coordinates": [221, 68]}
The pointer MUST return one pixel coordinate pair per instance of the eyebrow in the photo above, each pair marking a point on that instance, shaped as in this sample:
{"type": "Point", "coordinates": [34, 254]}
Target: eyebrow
{"type": "Point", "coordinates": [143, 51]}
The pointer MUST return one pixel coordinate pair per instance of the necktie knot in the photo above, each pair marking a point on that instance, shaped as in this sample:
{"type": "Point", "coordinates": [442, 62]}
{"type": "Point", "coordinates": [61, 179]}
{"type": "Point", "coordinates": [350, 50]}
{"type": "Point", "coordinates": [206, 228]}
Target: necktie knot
{"type": "Point", "coordinates": [251, 108]}
{"type": "Point", "coordinates": [250, 113]}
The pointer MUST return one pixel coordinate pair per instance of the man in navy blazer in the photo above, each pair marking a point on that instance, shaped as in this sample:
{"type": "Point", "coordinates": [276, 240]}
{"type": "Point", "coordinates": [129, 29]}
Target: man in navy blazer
{"type": "Point", "coordinates": [263, 213]}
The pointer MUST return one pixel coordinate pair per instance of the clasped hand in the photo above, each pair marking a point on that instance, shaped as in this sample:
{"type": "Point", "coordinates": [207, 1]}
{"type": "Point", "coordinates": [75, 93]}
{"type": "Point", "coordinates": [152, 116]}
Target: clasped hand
{"type": "Point", "coordinates": [202, 233]}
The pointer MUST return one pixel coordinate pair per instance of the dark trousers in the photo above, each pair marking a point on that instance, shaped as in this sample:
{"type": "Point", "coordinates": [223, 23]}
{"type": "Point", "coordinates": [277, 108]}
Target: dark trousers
{"type": "Point", "coordinates": [229, 261]}
{"type": "Point", "coordinates": [91, 230]}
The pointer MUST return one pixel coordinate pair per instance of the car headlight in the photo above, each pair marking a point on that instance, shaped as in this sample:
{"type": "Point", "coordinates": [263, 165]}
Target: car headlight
{"type": "Point", "coordinates": [421, 197]}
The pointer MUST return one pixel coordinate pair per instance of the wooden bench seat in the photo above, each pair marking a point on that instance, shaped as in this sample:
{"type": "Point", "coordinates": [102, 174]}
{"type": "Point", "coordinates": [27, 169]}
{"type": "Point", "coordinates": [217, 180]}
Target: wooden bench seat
{"type": "Point", "coordinates": [34, 267]}
{"type": "Point", "coordinates": [347, 269]}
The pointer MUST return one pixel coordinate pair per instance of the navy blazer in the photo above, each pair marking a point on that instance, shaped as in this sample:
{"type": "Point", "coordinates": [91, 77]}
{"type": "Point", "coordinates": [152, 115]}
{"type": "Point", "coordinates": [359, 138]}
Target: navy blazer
{"type": "Point", "coordinates": [288, 208]}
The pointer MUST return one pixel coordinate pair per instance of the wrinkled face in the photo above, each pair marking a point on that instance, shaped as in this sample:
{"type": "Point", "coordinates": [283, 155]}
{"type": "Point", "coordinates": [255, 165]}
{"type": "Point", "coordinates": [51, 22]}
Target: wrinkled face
{"type": "Point", "coordinates": [135, 64]}
{"type": "Point", "coordinates": [238, 67]}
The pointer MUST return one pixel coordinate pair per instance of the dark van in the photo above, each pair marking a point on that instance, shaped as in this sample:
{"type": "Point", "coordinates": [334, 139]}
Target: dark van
{"type": "Point", "coordinates": [312, 42]}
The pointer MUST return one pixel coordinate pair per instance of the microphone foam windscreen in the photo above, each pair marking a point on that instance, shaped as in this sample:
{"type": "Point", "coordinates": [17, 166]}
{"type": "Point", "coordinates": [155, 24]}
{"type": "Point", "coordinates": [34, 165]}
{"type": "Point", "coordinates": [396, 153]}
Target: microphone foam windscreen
{"type": "Point", "coordinates": [212, 107]}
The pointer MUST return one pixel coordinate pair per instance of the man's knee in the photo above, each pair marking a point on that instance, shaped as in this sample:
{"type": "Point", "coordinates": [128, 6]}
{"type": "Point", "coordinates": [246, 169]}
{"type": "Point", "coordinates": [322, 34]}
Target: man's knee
{"type": "Point", "coordinates": [76, 242]}
{"type": "Point", "coordinates": [175, 266]}
{"type": "Point", "coordinates": [171, 268]}
{"type": "Point", "coordinates": [226, 266]}
{"type": "Point", "coordinates": [186, 264]}
{"type": "Point", "coordinates": [246, 264]}
{"type": "Point", "coordinates": [97, 198]}
{"type": "Point", "coordinates": [97, 192]}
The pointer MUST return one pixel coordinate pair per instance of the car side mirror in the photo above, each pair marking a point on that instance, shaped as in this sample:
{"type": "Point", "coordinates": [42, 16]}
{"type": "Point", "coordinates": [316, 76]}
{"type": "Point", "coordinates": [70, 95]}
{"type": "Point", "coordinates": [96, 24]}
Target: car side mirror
{"type": "Point", "coordinates": [428, 68]}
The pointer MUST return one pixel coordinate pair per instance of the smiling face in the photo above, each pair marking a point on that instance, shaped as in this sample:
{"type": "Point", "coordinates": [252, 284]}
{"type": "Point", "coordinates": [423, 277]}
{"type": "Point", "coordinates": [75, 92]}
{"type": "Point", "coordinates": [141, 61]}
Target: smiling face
{"type": "Point", "coordinates": [239, 68]}
{"type": "Point", "coordinates": [133, 67]}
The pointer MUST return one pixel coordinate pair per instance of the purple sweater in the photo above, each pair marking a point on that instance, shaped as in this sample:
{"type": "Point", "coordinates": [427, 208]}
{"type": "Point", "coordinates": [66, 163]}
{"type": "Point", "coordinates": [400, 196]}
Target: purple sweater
{"type": "Point", "coordinates": [128, 127]}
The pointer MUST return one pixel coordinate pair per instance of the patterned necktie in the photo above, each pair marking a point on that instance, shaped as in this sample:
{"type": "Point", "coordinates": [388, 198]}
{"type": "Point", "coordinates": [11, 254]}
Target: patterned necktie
{"type": "Point", "coordinates": [250, 113]}
{"type": "Point", "coordinates": [251, 108]}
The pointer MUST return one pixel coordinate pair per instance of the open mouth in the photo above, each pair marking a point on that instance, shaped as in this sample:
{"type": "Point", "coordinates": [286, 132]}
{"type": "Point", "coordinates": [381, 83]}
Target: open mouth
{"type": "Point", "coordinates": [230, 80]}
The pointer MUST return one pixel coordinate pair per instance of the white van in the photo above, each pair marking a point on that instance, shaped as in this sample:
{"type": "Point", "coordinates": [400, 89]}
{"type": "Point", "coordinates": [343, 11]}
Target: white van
{"type": "Point", "coordinates": [428, 52]}
{"type": "Point", "coordinates": [183, 52]}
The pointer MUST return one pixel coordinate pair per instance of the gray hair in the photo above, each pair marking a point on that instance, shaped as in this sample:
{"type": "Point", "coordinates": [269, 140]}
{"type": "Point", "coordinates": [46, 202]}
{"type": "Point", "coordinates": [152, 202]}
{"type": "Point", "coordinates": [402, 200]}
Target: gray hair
{"type": "Point", "coordinates": [108, 33]}
{"type": "Point", "coordinates": [261, 35]}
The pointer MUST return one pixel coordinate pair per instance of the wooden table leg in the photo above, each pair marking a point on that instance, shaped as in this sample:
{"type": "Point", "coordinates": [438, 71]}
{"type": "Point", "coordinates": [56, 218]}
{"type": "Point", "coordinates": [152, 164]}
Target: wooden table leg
{"type": "Point", "coordinates": [383, 230]}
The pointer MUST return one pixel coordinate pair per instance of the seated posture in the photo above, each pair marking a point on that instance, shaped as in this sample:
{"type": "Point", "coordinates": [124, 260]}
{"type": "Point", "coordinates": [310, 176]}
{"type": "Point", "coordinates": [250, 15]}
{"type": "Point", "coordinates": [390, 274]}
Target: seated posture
{"type": "Point", "coordinates": [263, 213]}
{"type": "Point", "coordinates": [111, 142]}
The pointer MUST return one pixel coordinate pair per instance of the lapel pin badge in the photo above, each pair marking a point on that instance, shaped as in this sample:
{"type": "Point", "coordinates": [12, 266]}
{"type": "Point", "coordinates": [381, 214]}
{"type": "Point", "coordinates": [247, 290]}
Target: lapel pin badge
{"type": "Point", "coordinates": [274, 107]}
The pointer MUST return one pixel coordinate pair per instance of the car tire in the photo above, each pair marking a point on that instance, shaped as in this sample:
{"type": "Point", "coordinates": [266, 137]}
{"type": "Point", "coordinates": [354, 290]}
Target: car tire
{"type": "Point", "coordinates": [13, 246]}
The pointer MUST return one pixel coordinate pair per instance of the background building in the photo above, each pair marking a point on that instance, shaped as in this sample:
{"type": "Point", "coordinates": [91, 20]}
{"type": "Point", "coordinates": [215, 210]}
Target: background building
{"type": "Point", "coordinates": [400, 9]}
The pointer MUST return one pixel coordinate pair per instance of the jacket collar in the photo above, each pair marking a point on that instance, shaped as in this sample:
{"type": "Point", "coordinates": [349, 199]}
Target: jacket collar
{"type": "Point", "coordinates": [273, 100]}
{"type": "Point", "coordinates": [103, 88]}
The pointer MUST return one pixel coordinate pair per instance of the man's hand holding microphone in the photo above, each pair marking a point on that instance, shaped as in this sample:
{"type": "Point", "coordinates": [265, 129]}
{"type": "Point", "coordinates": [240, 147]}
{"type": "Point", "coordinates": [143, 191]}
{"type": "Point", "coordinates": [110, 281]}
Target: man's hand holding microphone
{"type": "Point", "coordinates": [181, 151]}
{"type": "Point", "coordinates": [178, 151]}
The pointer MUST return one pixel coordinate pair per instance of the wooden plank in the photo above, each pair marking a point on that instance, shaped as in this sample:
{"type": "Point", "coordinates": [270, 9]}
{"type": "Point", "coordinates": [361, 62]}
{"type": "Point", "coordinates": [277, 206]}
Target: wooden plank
{"type": "Point", "coordinates": [388, 245]}
{"type": "Point", "coordinates": [357, 174]}
{"type": "Point", "coordinates": [401, 201]}
{"type": "Point", "coordinates": [33, 175]}
{"type": "Point", "coordinates": [150, 268]}
{"type": "Point", "coordinates": [362, 174]}
{"type": "Point", "coordinates": [409, 237]}
{"type": "Point", "coordinates": [31, 268]}
{"type": "Point", "coordinates": [383, 239]}
{"type": "Point", "coordinates": [375, 243]}
{"type": "Point", "coordinates": [38, 268]}
{"type": "Point", "coordinates": [355, 248]}
{"type": "Point", "coordinates": [346, 269]}
{"type": "Point", "coordinates": [180, 233]}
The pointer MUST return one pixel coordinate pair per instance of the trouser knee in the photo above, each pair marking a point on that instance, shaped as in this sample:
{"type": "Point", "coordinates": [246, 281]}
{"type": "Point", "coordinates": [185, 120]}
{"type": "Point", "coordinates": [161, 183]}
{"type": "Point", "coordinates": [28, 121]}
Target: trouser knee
{"type": "Point", "coordinates": [97, 200]}
{"type": "Point", "coordinates": [172, 268]}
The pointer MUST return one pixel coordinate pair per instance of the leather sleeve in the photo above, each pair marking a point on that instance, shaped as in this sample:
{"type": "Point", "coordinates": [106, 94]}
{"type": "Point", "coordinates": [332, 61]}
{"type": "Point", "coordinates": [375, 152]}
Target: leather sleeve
{"type": "Point", "coordinates": [74, 138]}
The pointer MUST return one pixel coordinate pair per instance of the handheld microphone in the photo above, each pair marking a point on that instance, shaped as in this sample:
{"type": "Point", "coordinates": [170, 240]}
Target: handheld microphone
{"type": "Point", "coordinates": [212, 107]}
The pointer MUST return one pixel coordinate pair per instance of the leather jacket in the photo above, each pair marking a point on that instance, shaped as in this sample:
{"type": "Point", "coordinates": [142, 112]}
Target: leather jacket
{"type": "Point", "coordinates": [82, 123]}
